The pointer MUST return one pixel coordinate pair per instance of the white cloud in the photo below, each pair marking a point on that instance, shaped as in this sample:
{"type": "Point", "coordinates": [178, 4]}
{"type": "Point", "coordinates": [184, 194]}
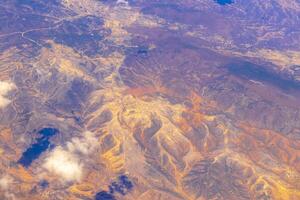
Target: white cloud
{"type": "Point", "coordinates": [5, 88]}
{"type": "Point", "coordinates": [66, 162]}
{"type": "Point", "coordinates": [84, 145]}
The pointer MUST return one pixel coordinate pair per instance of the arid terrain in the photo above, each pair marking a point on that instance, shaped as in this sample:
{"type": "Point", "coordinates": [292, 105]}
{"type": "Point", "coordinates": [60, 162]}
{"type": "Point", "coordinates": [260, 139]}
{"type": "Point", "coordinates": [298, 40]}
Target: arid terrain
{"type": "Point", "coordinates": [149, 100]}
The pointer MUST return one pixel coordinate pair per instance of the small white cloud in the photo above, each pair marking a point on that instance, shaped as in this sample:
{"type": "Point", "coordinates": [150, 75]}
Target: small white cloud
{"type": "Point", "coordinates": [4, 102]}
{"type": "Point", "coordinates": [84, 145]}
{"type": "Point", "coordinates": [64, 164]}
{"type": "Point", "coordinates": [5, 88]}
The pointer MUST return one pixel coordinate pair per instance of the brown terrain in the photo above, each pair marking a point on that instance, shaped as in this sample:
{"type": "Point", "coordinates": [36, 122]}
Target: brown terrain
{"type": "Point", "coordinates": [158, 100]}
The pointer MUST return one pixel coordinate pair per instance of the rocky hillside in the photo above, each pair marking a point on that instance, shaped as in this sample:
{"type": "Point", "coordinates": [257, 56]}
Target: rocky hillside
{"type": "Point", "coordinates": [139, 99]}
